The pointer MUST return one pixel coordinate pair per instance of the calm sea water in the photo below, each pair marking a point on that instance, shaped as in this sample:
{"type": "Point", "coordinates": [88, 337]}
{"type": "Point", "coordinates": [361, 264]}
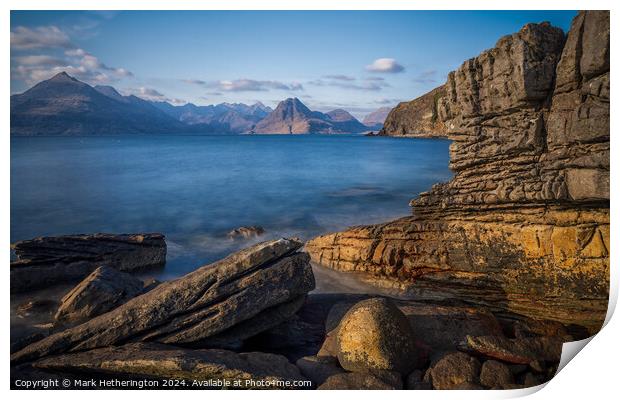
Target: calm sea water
{"type": "Point", "coordinates": [195, 189]}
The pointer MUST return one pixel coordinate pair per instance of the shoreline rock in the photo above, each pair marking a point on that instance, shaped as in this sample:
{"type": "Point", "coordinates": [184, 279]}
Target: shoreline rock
{"type": "Point", "coordinates": [246, 232]}
{"type": "Point", "coordinates": [198, 306]}
{"type": "Point", "coordinates": [375, 335]}
{"type": "Point", "coordinates": [46, 261]}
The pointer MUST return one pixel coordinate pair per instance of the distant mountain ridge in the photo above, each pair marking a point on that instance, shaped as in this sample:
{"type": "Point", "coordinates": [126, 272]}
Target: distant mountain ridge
{"type": "Point", "coordinates": [376, 119]}
{"type": "Point", "coordinates": [63, 105]}
{"type": "Point", "coordinates": [231, 117]}
{"type": "Point", "coordinates": [291, 116]}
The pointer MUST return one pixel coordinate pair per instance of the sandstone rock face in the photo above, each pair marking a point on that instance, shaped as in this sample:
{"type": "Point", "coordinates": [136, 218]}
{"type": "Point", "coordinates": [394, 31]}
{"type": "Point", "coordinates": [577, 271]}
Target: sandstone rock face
{"type": "Point", "coordinates": [202, 304]}
{"type": "Point", "coordinates": [101, 291]}
{"type": "Point", "coordinates": [46, 261]}
{"type": "Point", "coordinates": [523, 226]}
{"type": "Point", "coordinates": [374, 334]}
{"type": "Point", "coordinates": [158, 361]}
{"type": "Point", "coordinates": [419, 117]}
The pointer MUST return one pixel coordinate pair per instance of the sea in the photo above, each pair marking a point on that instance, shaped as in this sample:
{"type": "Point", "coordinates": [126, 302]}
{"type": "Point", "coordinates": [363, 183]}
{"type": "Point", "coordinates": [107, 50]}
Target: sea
{"type": "Point", "coordinates": [196, 189]}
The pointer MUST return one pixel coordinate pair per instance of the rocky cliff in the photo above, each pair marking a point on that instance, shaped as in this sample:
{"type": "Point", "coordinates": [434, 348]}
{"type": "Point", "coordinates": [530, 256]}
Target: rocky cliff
{"type": "Point", "coordinates": [417, 118]}
{"type": "Point", "coordinates": [524, 224]}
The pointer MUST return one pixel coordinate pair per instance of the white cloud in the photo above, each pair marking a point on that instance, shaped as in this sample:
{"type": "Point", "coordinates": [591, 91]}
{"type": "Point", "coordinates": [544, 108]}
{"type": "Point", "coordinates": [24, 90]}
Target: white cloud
{"type": "Point", "coordinates": [195, 82]}
{"type": "Point", "coordinates": [385, 65]}
{"type": "Point", "coordinates": [251, 85]}
{"type": "Point", "coordinates": [38, 60]}
{"type": "Point", "coordinates": [23, 38]}
{"type": "Point", "coordinates": [340, 77]}
{"type": "Point", "coordinates": [151, 94]}
{"type": "Point", "coordinates": [33, 61]}
{"type": "Point", "coordinates": [75, 52]}
{"type": "Point", "coordinates": [366, 85]}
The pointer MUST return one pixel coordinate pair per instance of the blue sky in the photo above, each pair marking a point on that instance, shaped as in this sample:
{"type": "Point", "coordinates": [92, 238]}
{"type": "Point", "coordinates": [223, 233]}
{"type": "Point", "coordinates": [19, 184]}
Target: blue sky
{"type": "Point", "coordinates": [356, 60]}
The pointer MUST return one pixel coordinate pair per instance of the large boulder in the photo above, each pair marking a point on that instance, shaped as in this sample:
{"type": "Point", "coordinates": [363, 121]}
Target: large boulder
{"type": "Point", "coordinates": [455, 369]}
{"type": "Point", "coordinates": [198, 306]}
{"type": "Point", "coordinates": [156, 361]}
{"type": "Point", "coordinates": [101, 291]}
{"type": "Point", "coordinates": [374, 334]}
{"type": "Point", "coordinates": [45, 261]}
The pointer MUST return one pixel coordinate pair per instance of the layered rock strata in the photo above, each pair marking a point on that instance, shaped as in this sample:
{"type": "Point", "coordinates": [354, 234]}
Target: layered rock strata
{"type": "Point", "coordinates": [524, 224]}
{"type": "Point", "coordinates": [258, 287]}
{"type": "Point", "coordinates": [46, 261]}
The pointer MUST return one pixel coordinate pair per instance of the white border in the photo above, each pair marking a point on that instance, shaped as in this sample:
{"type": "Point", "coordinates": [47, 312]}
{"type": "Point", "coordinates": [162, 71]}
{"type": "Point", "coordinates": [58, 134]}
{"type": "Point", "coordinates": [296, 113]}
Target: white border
{"type": "Point", "coordinates": [592, 374]}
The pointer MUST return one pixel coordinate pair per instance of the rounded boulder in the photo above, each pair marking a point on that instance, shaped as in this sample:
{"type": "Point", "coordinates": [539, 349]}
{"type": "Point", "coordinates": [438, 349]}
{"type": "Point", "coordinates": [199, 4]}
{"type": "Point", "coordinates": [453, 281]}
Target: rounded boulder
{"type": "Point", "coordinates": [375, 335]}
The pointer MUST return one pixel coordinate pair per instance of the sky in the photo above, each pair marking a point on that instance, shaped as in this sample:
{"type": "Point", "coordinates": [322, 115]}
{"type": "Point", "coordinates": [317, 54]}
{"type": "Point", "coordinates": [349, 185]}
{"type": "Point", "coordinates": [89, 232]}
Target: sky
{"type": "Point", "coordinates": [356, 60]}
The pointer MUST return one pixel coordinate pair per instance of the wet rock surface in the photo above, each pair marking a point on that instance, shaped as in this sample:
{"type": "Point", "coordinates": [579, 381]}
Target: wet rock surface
{"type": "Point", "coordinates": [51, 260]}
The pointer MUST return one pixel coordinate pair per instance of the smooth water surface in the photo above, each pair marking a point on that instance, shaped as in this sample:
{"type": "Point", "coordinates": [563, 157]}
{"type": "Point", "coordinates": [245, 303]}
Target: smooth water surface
{"type": "Point", "coordinates": [195, 189]}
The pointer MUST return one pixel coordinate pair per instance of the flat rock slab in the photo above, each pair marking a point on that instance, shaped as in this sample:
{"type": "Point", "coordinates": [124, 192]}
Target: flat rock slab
{"type": "Point", "coordinates": [156, 361]}
{"type": "Point", "coordinates": [200, 305]}
{"type": "Point", "coordinates": [45, 261]}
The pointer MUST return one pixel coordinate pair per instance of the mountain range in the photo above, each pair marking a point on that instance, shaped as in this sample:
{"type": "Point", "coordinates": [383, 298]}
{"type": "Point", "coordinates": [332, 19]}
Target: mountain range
{"type": "Point", "coordinates": [376, 118]}
{"type": "Point", "coordinates": [230, 118]}
{"type": "Point", "coordinates": [63, 105]}
{"type": "Point", "coordinates": [292, 116]}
